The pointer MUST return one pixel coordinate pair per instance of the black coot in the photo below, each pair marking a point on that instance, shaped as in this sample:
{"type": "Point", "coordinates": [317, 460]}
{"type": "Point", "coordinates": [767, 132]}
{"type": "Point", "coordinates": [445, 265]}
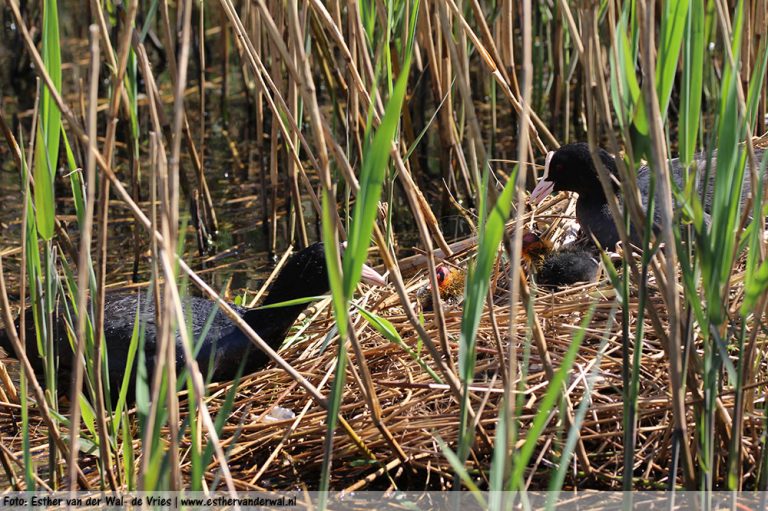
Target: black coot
{"type": "Point", "coordinates": [224, 347]}
{"type": "Point", "coordinates": [570, 168]}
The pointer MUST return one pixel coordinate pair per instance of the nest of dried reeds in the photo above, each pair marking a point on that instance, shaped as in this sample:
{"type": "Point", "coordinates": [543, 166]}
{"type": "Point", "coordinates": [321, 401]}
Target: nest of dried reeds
{"type": "Point", "coordinates": [275, 433]}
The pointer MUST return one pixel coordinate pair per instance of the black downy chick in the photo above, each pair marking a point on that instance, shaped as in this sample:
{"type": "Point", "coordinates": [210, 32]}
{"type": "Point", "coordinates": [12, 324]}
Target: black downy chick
{"type": "Point", "coordinates": [558, 268]}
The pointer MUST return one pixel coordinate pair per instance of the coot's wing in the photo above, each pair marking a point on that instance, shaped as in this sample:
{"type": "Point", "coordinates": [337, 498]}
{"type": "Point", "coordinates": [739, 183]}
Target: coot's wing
{"type": "Point", "coordinates": [219, 344]}
{"type": "Point", "coordinates": [209, 327]}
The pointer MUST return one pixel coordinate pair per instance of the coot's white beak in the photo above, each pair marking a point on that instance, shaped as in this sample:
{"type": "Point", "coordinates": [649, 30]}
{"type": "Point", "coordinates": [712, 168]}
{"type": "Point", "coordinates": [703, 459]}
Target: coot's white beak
{"type": "Point", "coordinates": [369, 275]}
{"type": "Point", "coordinates": [541, 191]}
{"type": "Point", "coordinates": [372, 277]}
{"type": "Point", "coordinates": [544, 187]}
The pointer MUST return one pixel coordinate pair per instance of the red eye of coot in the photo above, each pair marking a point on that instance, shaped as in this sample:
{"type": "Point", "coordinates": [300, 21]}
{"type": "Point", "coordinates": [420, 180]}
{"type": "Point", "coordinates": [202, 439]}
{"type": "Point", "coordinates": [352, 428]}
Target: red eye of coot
{"type": "Point", "coordinates": [441, 272]}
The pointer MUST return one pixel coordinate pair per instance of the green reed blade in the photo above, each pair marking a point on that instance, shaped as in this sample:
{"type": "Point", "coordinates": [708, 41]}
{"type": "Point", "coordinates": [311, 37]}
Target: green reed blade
{"type": "Point", "coordinates": [673, 23]}
{"type": "Point", "coordinates": [389, 332]}
{"type": "Point", "coordinates": [476, 290]}
{"type": "Point", "coordinates": [458, 467]}
{"type": "Point", "coordinates": [691, 82]}
{"type": "Point", "coordinates": [49, 125]}
{"type": "Point", "coordinates": [375, 165]}
{"type": "Point", "coordinates": [339, 302]}
{"type": "Point", "coordinates": [625, 89]}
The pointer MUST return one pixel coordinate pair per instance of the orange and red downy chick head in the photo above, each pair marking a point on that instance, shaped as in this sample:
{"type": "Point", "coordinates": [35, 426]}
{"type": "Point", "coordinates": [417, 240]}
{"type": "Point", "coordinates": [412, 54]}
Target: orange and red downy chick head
{"type": "Point", "coordinates": [535, 249]}
{"type": "Point", "coordinates": [450, 281]}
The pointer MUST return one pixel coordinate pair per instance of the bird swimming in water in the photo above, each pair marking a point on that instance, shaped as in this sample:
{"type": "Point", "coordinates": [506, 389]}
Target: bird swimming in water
{"type": "Point", "coordinates": [224, 348]}
{"type": "Point", "coordinates": [571, 169]}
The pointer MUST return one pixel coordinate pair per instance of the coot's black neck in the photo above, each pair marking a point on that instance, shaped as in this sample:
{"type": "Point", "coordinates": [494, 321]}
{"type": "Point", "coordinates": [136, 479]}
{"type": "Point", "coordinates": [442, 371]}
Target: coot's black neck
{"type": "Point", "coordinates": [594, 195]}
{"type": "Point", "coordinates": [273, 324]}
{"type": "Point", "coordinates": [304, 275]}
{"type": "Point", "coordinates": [593, 188]}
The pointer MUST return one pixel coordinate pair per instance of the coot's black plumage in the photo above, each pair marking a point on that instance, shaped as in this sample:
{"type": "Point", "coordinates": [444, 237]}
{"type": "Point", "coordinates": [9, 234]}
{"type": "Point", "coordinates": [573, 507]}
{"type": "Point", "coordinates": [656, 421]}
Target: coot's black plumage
{"type": "Point", "coordinates": [571, 168]}
{"type": "Point", "coordinates": [224, 347]}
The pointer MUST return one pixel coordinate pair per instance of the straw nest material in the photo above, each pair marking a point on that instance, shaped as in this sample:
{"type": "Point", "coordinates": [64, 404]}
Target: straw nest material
{"type": "Point", "coordinates": [275, 434]}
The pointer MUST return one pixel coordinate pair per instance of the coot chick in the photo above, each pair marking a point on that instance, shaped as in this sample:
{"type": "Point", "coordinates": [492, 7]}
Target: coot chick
{"type": "Point", "coordinates": [225, 347]}
{"type": "Point", "coordinates": [535, 249]}
{"type": "Point", "coordinates": [571, 168]}
{"type": "Point", "coordinates": [559, 268]}
{"type": "Point", "coordinates": [450, 282]}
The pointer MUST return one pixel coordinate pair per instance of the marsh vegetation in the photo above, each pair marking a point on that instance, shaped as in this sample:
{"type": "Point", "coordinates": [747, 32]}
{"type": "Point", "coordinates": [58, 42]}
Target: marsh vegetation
{"type": "Point", "coordinates": [183, 149]}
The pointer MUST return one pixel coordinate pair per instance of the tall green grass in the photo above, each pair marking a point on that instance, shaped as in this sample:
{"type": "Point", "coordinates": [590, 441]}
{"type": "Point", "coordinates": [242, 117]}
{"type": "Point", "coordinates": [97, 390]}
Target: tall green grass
{"type": "Point", "coordinates": [44, 171]}
{"type": "Point", "coordinates": [375, 165]}
{"type": "Point", "coordinates": [709, 256]}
